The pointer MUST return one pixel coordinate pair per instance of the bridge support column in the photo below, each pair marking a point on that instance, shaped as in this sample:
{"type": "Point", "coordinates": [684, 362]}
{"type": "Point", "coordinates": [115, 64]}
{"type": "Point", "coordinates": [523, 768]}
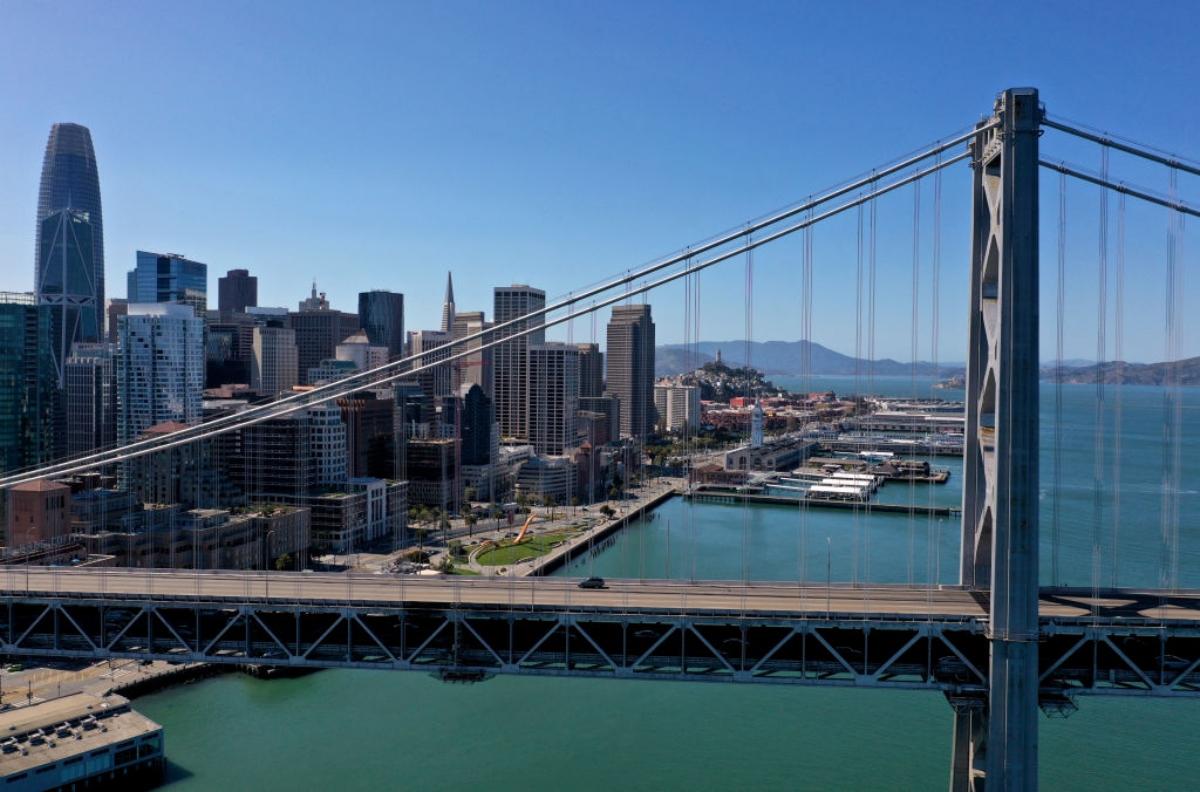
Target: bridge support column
{"type": "Point", "coordinates": [970, 746]}
{"type": "Point", "coordinates": [1000, 467]}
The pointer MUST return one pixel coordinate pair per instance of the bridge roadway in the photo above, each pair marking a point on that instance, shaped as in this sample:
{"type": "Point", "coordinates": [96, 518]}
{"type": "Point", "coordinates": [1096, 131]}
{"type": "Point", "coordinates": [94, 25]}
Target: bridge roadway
{"type": "Point", "coordinates": [296, 588]}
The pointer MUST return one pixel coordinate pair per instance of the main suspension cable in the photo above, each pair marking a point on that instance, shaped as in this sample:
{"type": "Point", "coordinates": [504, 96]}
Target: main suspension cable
{"type": "Point", "coordinates": [240, 420]}
{"type": "Point", "coordinates": [362, 379]}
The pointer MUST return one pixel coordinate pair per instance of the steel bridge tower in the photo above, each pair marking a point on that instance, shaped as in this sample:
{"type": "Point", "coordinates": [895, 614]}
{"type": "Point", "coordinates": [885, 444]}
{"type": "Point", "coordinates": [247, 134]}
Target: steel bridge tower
{"type": "Point", "coordinates": [995, 741]}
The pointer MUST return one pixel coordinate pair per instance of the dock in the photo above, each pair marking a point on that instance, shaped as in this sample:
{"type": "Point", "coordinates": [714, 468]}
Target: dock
{"type": "Point", "coordinates": [733, 498]}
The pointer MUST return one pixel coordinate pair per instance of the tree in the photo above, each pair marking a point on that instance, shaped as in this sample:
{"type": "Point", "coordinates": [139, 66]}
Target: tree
{"type": "Point", "coordinates": [283, 562]}
{"type": "Point", "coordinates": [470, 520]}
{"type": "Point", "coordinates": [607, 511]}
{"type": "Point", "coordinates": [470, 494]}
{"type": "Point", "coordinates": [574, 504]}
{"type": "Point", "coordinates": [421, 529]}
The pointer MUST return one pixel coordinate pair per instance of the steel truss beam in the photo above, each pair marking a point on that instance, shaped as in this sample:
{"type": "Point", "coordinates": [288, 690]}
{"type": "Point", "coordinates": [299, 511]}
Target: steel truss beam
{"type": "Point", "coordinates": [1077, 657]}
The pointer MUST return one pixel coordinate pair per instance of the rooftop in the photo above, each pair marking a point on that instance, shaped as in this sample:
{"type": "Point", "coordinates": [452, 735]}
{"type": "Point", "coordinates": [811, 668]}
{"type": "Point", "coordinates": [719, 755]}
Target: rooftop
{"type": "Point", "coordinates": [64, 727]}
{"type": "Point", "coordinates": [40, 485]}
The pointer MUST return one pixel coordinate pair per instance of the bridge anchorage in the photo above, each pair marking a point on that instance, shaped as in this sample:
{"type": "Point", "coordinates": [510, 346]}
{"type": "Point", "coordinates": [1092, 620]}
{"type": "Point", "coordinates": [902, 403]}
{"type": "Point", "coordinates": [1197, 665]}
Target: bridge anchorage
{"type": "Point", "coordinates": [997, 646]}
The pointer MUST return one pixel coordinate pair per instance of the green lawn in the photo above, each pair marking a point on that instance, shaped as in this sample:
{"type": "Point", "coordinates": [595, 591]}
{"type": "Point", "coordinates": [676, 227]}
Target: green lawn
{"type": "Point", "coordinates": [537, 545]}
{"type": "Point", "coordinates": [462, 570]}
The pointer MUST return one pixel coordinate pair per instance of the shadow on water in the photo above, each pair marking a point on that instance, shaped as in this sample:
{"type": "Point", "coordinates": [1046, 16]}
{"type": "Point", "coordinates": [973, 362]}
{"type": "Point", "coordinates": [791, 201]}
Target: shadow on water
{"type": "Point", "coordinates": [175, 772]}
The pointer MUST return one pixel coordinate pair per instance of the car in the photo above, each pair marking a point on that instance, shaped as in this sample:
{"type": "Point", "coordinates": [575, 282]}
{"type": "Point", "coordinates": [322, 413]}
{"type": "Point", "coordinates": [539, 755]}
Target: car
{"type": "Point", "coordinates": [592, 583]}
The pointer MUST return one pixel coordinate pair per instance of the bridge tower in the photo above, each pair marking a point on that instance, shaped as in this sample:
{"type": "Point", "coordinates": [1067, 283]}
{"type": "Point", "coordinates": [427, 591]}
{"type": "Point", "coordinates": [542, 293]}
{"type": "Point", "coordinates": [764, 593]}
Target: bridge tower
{"type": "Point", "coordinates": [995, 741]}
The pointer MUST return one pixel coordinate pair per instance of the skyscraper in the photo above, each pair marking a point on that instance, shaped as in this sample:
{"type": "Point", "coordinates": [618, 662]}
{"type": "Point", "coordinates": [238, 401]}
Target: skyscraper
{"type": "Point", "coordinates": [631, 367]}
{"type": "Point", "coordinates": [591, 370]}
{"type": "Point", "coordinates": [65, 283]}
{"type": "Point", "coordinates": [477, 428]}
{"type": "Point", "coordinates": [168, 278]}
{"type": "Point", "coordinates": [436, 382]}
{"type": "Point", "coordinates": [28, 386]}
{"type": "Point", "coordinates": [71, 181]}
{"type": "Point", "coordinates": [511, 358]}
{"type": "Point", "coordinates": [91, 397]}
{"type": "Point", "coordinates": [274, 363]}
{"type": "Point", "coordinates": [381, 317]}
{"type": "Point", "coordinates": [553, 397]}
{"type": "Point", "coordinates": [476, 368]}
{"type": "Point", "coordinates": [319, 330]}
{"type": "Point", "coordinates": [160, 367]}
{"type": "Point", "coordinates": [237, 291]}
{"type": "Point", "coordinates": [448, 306]}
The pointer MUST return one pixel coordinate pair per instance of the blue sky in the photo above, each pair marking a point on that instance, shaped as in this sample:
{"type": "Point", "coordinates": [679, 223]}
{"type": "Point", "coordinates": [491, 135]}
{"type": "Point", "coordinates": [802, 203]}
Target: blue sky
{"type": "Point", "coordinates": [379, 145]}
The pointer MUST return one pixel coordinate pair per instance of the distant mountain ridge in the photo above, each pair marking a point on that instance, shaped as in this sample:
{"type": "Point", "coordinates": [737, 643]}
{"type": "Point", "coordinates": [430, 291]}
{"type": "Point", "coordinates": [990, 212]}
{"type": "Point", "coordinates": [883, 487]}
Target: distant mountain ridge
{"type": "Point", "coordinates": [786, 357]}
{"type": "Point", "coordinates": [1122, 373]}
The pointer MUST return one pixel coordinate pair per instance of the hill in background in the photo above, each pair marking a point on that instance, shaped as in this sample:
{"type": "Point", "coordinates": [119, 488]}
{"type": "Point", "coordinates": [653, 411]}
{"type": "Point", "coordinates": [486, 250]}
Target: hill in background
{"type": "Point", "coordinates": [785, 357]}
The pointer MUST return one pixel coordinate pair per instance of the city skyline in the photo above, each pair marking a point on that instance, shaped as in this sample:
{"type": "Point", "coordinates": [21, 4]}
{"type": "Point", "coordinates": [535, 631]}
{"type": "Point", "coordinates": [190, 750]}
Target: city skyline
{"type": "Point", "coordinates": [538, 204]}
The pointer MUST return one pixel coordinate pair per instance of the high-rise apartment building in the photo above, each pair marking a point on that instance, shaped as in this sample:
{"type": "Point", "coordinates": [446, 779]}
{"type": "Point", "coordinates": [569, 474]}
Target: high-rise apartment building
{"type": "Point", "coordinates": [237, 291]}
{"type": "Point", "coordinates": [381, 317]}
{"type": "Point", "coordinates": [66, 283]}
{"type": "Point", "coordinates": [370, 435]}
{"type": "Point", "coordinates": [591, 370]}
{"type": "Point", "coordinates": [168, 278]}
{"type": "Point", "coordinates": [274, 362]}
{"type": "Point", "coordinates": [476, 368]}
{"type": "Point", "coordinates": [553, 397]}
{"type": "Point", "coordinates": [90, 397]}
{"type": "Point", "coordinates": [160, 367]}
{"type": "Point", "coordinates": [677, 407]}
{"type": "Point", "coordinates": [436, 382]}
{"type": "Point", "coordinates": [29, 406]}
{"type": "Point", "coordinates": [631, 367]}
{"type": "Point", "coordinates": [609, 407]}
{"type": "Point", "coordinates": [511, 358]}
{"type": "Point", "coordinates": [293, 457]}
{"type": "Point", "coordinates": [71, 181]}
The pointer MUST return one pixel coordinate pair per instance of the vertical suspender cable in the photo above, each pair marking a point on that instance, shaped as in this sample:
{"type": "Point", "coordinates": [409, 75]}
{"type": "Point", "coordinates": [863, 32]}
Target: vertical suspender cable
{"type": "Point", "coordinates": [1119, 357]}
{"type": "Point", "coordinates": [871, 248]}
{"type": "Point", "coordinates": [914, 352]}
{"type": "Point", "coordinates": [1060, 316]}
{"type": "Point", "coordinates": [1172, 396]}
{"type": "Point", "coordinates": [932, 547]}
{"type": "Point", "coordinates": [1101, 355]}
{"type": "Point", "coordinates": [858, 330]}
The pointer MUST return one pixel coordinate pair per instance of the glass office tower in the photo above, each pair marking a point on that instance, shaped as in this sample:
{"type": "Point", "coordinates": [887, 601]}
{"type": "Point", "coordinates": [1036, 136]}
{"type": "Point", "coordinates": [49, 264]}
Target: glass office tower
{"type": "Point", "coordinates": [168, 278]}
{"type": "Point", "coordinates": [381, 315]}
{"type": "Point", "coordinates": [66, 285]}
{"type": "Point", "coordinates": [70, 180]}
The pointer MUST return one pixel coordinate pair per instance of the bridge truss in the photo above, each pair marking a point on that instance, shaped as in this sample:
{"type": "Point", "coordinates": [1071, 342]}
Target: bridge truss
{"type": "Point", "coordinates": [1080, 655]}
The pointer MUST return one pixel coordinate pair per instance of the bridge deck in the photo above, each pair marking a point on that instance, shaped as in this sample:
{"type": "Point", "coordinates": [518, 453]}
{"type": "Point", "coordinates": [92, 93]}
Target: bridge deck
{"type": "Point", "coordinates": [1121, 643]}
{"type": "Point", "coordinates": [291, 588]}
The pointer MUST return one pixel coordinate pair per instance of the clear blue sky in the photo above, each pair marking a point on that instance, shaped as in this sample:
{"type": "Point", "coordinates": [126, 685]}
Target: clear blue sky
{"type": "Point", "coordinates": [379, 145]}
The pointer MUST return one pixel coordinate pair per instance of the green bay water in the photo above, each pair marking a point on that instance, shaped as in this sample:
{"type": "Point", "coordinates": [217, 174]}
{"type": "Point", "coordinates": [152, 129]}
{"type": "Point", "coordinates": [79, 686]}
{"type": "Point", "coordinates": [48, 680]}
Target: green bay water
{"type": "Point", "coordinates": [371, 730]}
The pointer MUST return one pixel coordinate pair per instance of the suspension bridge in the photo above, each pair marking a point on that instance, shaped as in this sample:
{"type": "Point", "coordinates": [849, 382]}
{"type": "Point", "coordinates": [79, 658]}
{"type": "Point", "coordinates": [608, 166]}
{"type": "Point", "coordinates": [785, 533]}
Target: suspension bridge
{"type": "Point", "coordinates": [997, 644]}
